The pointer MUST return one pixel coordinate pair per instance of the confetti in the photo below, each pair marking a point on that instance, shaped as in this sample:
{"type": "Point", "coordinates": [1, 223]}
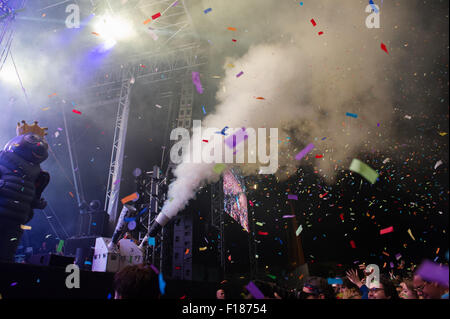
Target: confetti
{"type": "Point", "coordinates": [24, 227]}
{"type": "Point", "coordinates": [231, 29]}
{"type": "Point", "coordinates": [335, 281]}
{"type": "Point", "coordinates": [288, 216]}
{"type": "Point", "coordinates": [383, 47]}
{"type": "Point", "coordinates": [60, 246]}
{"type": "Point", "coordinates": [75, 111]}
{"type": "Point", "coordinates": [207, 10]}
{"type": "Point", "coordinates": [319, 156]}
{"type": "Point", "coordinates": [239, 74]}
{"type": "Point", "coordinates": [147, 21]}
{"type": "Point", "coordinates": [129, 198]}
{"type": "Point", "coordinates": [197, 82]}
{"type": "Point", "coordinates": [364, 170]}
{"type": "Point", "coordinates": [156, 16]}
{"type": "Point", "coordinates": [71, 194]}
{"type": "Point", "coordinates": [294, 197]}
{"type": "Point", "coordinates": [387, 230]}
{"type": "Point", "coordinates": [373, 6]}
{"type": "Point", "coordinates": [299, 230]}
{"type": "Point", "coordinates": [438, 163]}
{"type": "Point", "coordinates": [352, 115]}
{"type": "Point", "coordinates": [162, 283]}
{"type": "Point", "coordinates": [95, 33]}
{"type": "Point", "coordinates": [236, 138]}
{"type": "Point", "coordinates": [352, 243]}
{"type": "Point", "coordinates": [410, 234]}
{"type": "Point", "coordinates": [263, 233]}
{"type": "Point", "coordinates": [305, 151]}
{"type": "Point", "coordinates": [203, 108]}
{"type": "Point", "coordinates": [255, 292]}
{"type": "Point", "coordinates": [151, 241]}
{"type": "Point", "coordinates": [202, 248]}
{"type": "Point", "coordinates": [154, 269]}
{"type": "Point", "coordinates": [313, 22]}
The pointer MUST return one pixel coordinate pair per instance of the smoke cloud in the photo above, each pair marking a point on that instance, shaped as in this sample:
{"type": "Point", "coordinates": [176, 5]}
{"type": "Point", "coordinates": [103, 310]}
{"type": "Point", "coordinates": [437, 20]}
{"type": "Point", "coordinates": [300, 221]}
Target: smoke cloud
{"type": "Point", "coordinates": [309, 82]}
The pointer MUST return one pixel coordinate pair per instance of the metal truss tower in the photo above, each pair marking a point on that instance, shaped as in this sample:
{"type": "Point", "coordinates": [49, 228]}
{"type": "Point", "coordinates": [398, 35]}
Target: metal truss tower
{"type": "Point", "coordinates": [178, 54]}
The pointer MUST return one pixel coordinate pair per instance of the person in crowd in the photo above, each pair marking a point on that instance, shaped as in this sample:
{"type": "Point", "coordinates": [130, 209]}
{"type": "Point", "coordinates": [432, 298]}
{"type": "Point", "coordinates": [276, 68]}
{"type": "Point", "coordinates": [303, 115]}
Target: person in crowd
{"type": "Point", "coordinates": [353, 277]}
{"type": "Point", "coordinates": [136, 282]}
{"type": "Point", "coordinates": [348, 290]}
{"type": "Point", "coordinates": [384, 290]}
{"type": "Point", "coordinates": [428, 290]}
{"type": "Point", "coordinates": [407, 289]}
{"type": "Point", "coordinates": [220, 294]}
{"type": "Point", "coordinates": [317, 288]}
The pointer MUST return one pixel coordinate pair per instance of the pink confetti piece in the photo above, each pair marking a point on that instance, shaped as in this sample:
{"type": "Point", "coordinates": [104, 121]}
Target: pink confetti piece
{"type": "Point", "coordinates": [387, 230]}
{"type": "Point", "coordinates": [294, 197]}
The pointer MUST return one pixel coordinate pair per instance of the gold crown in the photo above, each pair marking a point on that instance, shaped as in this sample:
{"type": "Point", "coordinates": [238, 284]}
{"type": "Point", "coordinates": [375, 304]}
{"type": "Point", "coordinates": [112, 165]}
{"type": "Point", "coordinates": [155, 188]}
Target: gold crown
{"type": "Point", "coordinates": [35, 129]}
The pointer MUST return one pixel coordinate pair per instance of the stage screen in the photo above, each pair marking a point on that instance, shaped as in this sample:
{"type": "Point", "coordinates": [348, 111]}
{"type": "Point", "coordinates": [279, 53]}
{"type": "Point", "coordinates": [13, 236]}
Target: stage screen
{"type": "Point", "coordinates": [235, 198]}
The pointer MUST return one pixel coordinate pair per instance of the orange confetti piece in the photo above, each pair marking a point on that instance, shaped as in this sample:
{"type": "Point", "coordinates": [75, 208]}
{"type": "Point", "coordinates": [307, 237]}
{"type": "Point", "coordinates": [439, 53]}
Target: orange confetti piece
{"type": "Point", "coordinates": [129, 198]}
{"type": "Point", "coordinates": [95, 33]}
{"type": "Point", "coordinates": [385, 253]}
{"type": "Point", "coordinates": [231, 29]}
{"type": "Point", "coordinates": [437, 251]}
{"type": "Point", "coordinates": [53, 94]}
{"type": "Point", "coordinates": [44, 14]}
{"type": "Point", "coordinates": [260, 98]}
{"type": "Point", "coordinates": [147, 21]}
{"type": "Point", "coordinates": [70, 193]}
{"type": "Point", "coordinates": [187, 251]}
{"type": "Point", "coordinates": [24, 227]}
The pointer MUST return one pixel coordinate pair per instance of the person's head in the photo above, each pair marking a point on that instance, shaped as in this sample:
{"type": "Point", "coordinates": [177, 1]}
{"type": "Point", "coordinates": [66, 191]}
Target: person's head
{"type": "Point", "coordinates": [407, 290]}
{"type": "Point", "coordinates": [317, 288]}
{"type": "Point", "coordinates": [385, 290]}
{"type": "Point", "coordinates": [428, 290]}
{"type": "Point", "coordinates": [136, 282]}
{"type": "Point", "coordinates": [220, 294]}
{"type": "Point", "coordinates": [348, 290]}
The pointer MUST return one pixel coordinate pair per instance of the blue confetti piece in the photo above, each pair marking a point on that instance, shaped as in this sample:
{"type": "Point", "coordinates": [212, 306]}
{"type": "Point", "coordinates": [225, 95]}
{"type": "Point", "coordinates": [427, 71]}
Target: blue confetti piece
{"type": "Point", "coordinates": [143, 211]}
{"type": "Point", "coordinates": [335, 281]}
{"type": "Point", "coordinates": [95, 224]}
{"type": "Point", "coordinates": [323, 138]}
{"type": "Point", "coordinates": [207, 10]}
{"type": "Point", "coordinates": [373, 6]}
{"type": "Point", "coordinates": [151, 241]}
{"type": "Point", "coordinates": [129, 219]}
{"type": "Point", "coordinates": [204, 112]}
{"type": "Point", "coordinates": [109, 296]}
{"type": "Point", "coordinates": [87, 262]}
{"type": "Point", "coordinates": [352, 115]}
{"type": "Point", "coordinates": [162, 283]}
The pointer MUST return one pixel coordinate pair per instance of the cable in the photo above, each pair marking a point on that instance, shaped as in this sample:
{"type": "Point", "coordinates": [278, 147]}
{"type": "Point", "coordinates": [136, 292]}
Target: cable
{"type": "Point", "coordinates": [20, 80]}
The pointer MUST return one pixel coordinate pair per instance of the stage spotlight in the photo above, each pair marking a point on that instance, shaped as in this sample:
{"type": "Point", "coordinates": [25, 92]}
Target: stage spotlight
{"type": "Point", "coordinates": [8, 74]}
{"type": "Point", "coordinates": [113, 28]}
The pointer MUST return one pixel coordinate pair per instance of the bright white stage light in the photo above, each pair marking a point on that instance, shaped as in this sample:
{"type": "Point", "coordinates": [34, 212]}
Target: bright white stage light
{"type": "Point", "coordinates": [114, 28]}
{"type": "Point", "coordinates": [8, 74]}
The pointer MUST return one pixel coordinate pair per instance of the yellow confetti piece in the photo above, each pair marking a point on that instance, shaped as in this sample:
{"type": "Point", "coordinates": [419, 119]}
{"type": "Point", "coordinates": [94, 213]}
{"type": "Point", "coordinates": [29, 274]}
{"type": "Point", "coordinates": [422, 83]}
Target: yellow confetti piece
{"type": "Point", "coordinates": [202, 248]}
{"type": "Point", "coordinates": [442, 133]}
{"type": "Point", "coordinates": [410, 234]}
{"type": "Point", "coordinates": [25, 227]}
{"type": "Point", "coordinates": [230, 65]}
{"type": "Point", "coordinates": [45, 109]}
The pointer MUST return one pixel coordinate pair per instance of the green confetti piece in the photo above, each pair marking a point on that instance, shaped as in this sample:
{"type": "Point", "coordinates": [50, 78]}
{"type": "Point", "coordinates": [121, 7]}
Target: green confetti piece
{"type": "Point", "coordinates": [259, 224]}
{"type": "Point", "coordinates": [299, 230]}
{"type": "Point", "coordinates": [272, 276]}
{"type": "Point", "coordinates": [364, 170]}
{"type": "Point", "coordinates": [60, 246]}
{"type": "Point", "coordinates": [218, 168]}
